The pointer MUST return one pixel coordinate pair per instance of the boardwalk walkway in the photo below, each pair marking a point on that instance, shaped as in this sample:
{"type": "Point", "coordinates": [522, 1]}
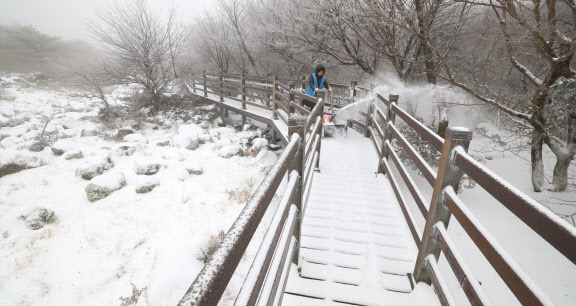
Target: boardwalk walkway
{"type": "Point", "coordinates": [357, 238]}
{"type": "Point", "coordinates": [356, 247]}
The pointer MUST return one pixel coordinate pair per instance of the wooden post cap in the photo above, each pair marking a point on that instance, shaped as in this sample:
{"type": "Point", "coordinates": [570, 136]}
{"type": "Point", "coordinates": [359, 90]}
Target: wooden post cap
{"type": "Point", "coordinates": [393, 98]}
{"type": "Point", "coordinates": [459, 133]}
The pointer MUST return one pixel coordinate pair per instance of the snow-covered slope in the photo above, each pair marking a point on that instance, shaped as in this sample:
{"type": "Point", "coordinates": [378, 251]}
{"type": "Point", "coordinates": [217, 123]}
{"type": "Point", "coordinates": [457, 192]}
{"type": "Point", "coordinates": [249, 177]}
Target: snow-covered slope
{"type": "Point", "coordinates": [127, 245]}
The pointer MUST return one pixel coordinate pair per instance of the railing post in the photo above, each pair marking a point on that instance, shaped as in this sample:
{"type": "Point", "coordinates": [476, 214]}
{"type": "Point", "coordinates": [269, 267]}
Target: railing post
{"type": "Point", "coordinates": [448, 175]}
{"type": "Point", "coordinates": [194, 82]}
{"type": "Point", "coordinates": [205, 90]}
{"type": "Point", "coordinates": [368, 118]}
{"type": "Point", "coordinates": [291, 109]}
{"type": "Point", "coordinates": [243, 83]}
{"type": "Point", "coordinates": [303, 84]}
{"type": "Point", "coordinates": [221, 77]}
{"type": "Point", "coordinates": [390, 118]}
{"type": "Point", "coordinates": [320, 94]}
{"type": "Point", "coordinates": [296, 125]}
{"type": "Point", "coordinates": [353, 91]}
{"type": "Point", "coordinates": [275, 97]}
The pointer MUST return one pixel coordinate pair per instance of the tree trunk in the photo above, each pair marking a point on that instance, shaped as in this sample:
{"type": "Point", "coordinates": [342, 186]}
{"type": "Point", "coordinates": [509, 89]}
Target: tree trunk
{"type": "Point", "coordinates": [424, 30]}
{"type": "Point", "coordinates": [563, 159]}
{"type": "Point", "coordinates": [560, 178]}
{"type": "Point", "coordinates": [536, 159]}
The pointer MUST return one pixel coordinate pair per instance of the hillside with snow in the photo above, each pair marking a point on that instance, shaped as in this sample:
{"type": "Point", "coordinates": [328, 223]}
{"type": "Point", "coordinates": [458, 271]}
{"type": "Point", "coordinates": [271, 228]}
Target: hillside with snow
{"type": "Point", "coordinates": [108, 213]}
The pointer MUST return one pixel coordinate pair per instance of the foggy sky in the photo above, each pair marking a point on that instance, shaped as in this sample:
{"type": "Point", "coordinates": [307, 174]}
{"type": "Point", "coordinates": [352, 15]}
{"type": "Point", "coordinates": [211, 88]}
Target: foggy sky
{"type": "Point", "coordinates": [67, 18]}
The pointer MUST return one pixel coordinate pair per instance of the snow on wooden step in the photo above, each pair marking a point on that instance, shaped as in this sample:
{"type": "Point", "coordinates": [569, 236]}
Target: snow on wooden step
{"type": "Point", "coordinates": [355, 246]}
{"type": "Point", "coordinates": [329, 257]}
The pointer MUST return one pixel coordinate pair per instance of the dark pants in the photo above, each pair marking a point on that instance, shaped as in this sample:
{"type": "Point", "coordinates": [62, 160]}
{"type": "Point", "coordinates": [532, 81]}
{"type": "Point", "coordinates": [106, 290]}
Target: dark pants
{"type": "Point", "coordinates": [310, 104]}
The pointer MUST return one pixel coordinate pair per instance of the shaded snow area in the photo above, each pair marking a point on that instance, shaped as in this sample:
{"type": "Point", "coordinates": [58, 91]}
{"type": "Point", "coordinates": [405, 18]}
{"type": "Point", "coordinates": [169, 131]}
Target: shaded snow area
{"type": "Point", "coordinates": [109, 215]}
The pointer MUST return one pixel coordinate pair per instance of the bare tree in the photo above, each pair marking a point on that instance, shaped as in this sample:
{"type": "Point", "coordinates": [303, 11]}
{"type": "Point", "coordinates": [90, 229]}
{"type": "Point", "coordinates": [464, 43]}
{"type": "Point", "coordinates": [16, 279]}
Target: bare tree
{"type": "Point", "coordinates": [540, 49]}
{"type": "Point", "coordinates": [234, 13]}
{"type": "Point", "coordinates": [147, 46]}
{"type": "Point", "coordinates": [213, 41]}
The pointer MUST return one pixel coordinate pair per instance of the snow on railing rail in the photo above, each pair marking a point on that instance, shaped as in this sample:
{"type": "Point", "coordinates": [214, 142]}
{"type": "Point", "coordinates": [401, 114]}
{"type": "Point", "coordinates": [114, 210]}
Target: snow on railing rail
{"type": "Point", "coordinates": [559, 233]}
{"type": "Point", "coordinates": [454, 162]}
{"type": "Point", "coordinates": [214, 277]}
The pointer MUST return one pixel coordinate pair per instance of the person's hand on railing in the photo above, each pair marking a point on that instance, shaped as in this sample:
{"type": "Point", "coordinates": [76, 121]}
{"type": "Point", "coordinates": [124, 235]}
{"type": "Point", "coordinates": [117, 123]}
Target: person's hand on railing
{"type": "Point", "coordinates": [315, 89]}
{"type": "Point", "coordinates": [330, 90]}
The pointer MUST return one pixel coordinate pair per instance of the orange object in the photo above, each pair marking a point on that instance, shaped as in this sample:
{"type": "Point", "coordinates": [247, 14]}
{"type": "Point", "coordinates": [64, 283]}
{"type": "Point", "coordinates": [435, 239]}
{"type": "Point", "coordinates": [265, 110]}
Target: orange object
{"type": "Point", "coordinates": [327, 119]}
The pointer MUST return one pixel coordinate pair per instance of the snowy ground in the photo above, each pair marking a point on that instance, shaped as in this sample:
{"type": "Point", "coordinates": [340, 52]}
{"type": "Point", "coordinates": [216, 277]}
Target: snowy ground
{"type": "Point", "coordinates": [128, 244]}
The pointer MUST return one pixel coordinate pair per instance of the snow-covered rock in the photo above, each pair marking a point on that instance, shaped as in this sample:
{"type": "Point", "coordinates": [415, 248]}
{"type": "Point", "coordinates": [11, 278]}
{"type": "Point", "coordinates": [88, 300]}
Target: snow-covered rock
{"type": "Point", "coordinates": [37, 146]}
{"type": "Point", "coordinates": [258, 144]}
{"type": "Point", "coordinates": [94, 166]}
{"type": "Point", "coordinates": [145, 184]}
{"type": "Point", "coordinates": [187, 136]}
{"type": "Point", "coordinates": [194, 167]}
{"type": "Point", "coordinates": [91, 129]}
{"type": "Point", "coordinates": [13, 161]}
{"type": "Point", "coordinates": [204, 138]}
{"type": "Point", "coordinates": [147, 166]}
{"type": "Point", "coordinates": [74, 125]}
{"type": "Point", "coordinates": [126, 148]}
{"type": "Point", "coordinates": [123, 132]}
{"type": "Point", "coordinates": [229, 151]}
{"type": "Point", "coordinates": [103, 185]}
{"type": "Point", "coordinates": [73, 154]}
{"type": "Point", "coordinates": [135, 137]}
{"type": "Point", "coordinates": [63, 145]}
{"type": "Point", "coordinates": [38, 218]}
{"type": "Point", "coordinates": [10, 141]}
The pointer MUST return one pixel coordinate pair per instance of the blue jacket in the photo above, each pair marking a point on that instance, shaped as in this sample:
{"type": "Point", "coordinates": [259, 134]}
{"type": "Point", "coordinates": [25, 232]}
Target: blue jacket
{"type": "Point", "coordinates": [314, 82]}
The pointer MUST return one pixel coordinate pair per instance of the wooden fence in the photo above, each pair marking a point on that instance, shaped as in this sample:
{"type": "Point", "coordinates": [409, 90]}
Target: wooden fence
{"type": "Point", "coordinates": [268, 274]}
{"type": "Point", "coordinates": [380, 126]}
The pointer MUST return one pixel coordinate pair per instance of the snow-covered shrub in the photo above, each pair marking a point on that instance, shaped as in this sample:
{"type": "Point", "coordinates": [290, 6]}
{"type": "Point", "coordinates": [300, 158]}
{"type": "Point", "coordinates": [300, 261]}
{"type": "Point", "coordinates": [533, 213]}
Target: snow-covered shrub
{"type": "Point", "coordinates": [13, 161]}
{"type": "Point", "coordinates": [94, 166]}
{"type": "Point", "coordinates": [37, 218]}
{"type": "Point", "coordinates": [211, 246]}
{"type": "Point", "coordinates": [103, 185]}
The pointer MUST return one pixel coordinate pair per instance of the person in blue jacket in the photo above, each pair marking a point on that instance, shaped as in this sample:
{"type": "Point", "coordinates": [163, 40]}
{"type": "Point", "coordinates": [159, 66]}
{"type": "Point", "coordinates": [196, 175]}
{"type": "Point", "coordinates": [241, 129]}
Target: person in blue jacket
{"type": "Point", "coordinates": [317, 81]}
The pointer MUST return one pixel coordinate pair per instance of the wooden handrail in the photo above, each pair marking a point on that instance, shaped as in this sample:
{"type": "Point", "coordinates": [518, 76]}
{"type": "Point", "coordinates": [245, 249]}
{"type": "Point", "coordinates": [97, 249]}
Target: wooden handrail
{"type": "Point", "coordinates": [214, 277]}
{"type": "Point", "coordinates": [422, 130]}
{"type": "Point", "coordinates": [543, 221]}
{"type": "Point", "coordinates": [468, 282]}
{"type": "Point", "coordinates": [418, 160]}
{"type": "Point", "coordinates": [517, 280]}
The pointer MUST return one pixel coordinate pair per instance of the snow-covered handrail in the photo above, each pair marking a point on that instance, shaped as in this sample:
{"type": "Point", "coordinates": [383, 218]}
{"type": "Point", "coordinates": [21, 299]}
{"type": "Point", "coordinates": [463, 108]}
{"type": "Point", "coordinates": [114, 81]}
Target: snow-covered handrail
{"type": "Point", "coordinates": [543, 221]}
{"type": "Point", "coordinates": [521, 285]}
{"type": "Point", "coordinates": [214, 277]}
